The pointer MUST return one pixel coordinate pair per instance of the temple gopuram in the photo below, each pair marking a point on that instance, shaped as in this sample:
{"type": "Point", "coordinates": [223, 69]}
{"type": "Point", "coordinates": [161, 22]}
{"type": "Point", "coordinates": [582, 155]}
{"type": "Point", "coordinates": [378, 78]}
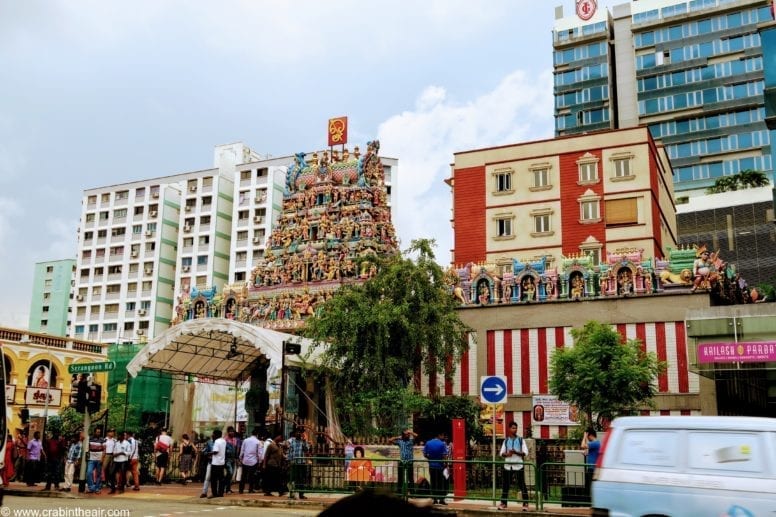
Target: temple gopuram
{"type": "Point", "coordinates": [335, 219]}
{"type": "Point", "coordinates": [625, 272]}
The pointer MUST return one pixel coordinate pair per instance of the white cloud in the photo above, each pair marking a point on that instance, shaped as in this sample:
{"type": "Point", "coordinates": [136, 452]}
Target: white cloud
{"type": "Point", "coordinates": [424, 140]}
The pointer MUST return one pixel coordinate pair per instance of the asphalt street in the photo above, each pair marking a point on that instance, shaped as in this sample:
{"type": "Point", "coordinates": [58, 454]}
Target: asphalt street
{"type": "Point", "coordinates": [15, 506]}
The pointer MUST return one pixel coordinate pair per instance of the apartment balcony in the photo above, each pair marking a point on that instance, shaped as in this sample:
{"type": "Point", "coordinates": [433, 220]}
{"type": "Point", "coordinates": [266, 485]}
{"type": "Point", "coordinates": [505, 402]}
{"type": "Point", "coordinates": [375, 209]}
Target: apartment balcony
{"type": "Point", "coordinates": [129, 314]}
{"type": "Point", "coordinates": [80, 318]}
{"type": "Point", "coordinates": [145, 293]}
{"type": "Point", "coordinates": [120, 220]}
{"type": "Point", "coordinates": [241, 243]}
{"type": "Point", "coordinates": [207, 188]}
{"type": "Point", "coordinates": [121, 201]}
{"type": "Point", "coordinates": [140, 198]}
{"type": "Point", "coordinates": [240, 263]}
{"type": "Point", "coordinates": [109, 334]}
{"type": "Point", "coordinates": [245, 182]}
{"type": "Point", "coordinates": [242, 223]}
{"type": "Point", "coordinates": [111, 315]}
{"type": "Point", "coordinates": [116, 257]}
{"type": "Point", "coordinates": [86, 261]}
{"type": "Point", "coordinates": [137, 217]}
{"type": "Point", "coordinates": [114, 276]}
{"type": "Point", "coordinates": [96, 297]}
{"type": "Point", "coordinates": [132, 294]}
{"type": "Point", "coordinates": [89, 224]}
{"type": "Point", "coordinates": [207, 208]}
{"type": "Point", "coordinates": [149, 254]}
{"type": "Point", "coordinates": [91, 206]}
{"type": "Point", "coordinates": [204, 228]}
{"type": "Point", "coordinates": [112, 296]}
{"type": "Point", "coordinates": [261, 181]}
{"type": "Point", "coordinates": [187, 249]}
{"type": "Point", "coordinates": [101, 240]}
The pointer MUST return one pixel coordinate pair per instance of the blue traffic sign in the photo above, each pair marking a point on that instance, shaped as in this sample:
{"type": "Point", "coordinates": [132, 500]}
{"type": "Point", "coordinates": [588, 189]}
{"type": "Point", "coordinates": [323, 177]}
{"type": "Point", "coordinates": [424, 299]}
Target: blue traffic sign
{"type": "Point", "coordinates": [493, 389]}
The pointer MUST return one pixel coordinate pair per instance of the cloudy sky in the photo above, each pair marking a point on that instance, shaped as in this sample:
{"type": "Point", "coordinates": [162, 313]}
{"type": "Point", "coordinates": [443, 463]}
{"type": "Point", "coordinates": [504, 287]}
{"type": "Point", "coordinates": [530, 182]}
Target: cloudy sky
{"type": "Point", "coordinates": [98, 92]}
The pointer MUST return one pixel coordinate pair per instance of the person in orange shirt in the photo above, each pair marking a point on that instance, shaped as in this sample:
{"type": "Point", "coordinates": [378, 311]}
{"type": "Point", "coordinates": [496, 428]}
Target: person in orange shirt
{"type": "Point", "coordinates": [360, 471]}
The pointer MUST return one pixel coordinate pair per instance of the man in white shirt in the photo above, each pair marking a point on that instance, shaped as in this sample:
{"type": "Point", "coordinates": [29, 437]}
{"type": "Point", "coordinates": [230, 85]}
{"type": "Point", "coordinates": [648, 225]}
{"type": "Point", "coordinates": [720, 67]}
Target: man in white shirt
{"type": "Point", "coordinates": [107, 461]}
{"type": "Point", "coordinates": [514, 451]}
{"type": "Point", "coordinates": [249, 458]}
{"type": "Point", "coordinates": [217, 463]}
{"type": "Point", "coordinates": [120, 461]}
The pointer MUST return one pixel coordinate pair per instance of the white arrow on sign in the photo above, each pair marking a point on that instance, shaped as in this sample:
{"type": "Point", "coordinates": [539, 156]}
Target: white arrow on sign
{"type": "Point", "coordinates": [497, 389]}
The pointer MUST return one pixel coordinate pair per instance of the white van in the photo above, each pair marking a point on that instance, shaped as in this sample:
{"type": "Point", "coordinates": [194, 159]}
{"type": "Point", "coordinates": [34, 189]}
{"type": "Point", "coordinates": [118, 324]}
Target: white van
{"type": "Point", "coordinates": [685, 465]}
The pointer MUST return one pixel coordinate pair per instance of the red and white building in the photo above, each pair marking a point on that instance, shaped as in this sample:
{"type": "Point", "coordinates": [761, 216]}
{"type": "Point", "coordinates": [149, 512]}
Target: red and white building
{"type": "Point", "coordinates": [583, 194]}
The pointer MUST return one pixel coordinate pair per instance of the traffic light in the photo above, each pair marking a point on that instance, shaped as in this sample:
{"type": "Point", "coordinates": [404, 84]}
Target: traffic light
{"type": "Point", "coordinates": [24, 414]}
{"type": "Point", "coordinates": [79, 394]}
{"type": "Point", "coordinates": [93, 402]}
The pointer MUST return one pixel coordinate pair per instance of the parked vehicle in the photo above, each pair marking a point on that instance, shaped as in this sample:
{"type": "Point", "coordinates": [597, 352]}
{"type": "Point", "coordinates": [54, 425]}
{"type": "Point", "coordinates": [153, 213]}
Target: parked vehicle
{"type": "Point", "coordinates": [687, 466]}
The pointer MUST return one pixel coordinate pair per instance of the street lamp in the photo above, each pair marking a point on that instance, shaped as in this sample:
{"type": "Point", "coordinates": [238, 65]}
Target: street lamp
{"type": "Point", "coordinates": [166, 410]}
{"type": "Point", "coordinates": [289, 348]}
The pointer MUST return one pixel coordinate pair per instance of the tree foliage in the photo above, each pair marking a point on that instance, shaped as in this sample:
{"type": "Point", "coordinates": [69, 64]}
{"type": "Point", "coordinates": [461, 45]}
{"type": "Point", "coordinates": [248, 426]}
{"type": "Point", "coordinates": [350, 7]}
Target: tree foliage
{"type": "Point", "coordinates": [745, 179]}
{"type": "Point", "coordinates": [603, 375]}
{"type": "Point", "coordinates": [378, 334]}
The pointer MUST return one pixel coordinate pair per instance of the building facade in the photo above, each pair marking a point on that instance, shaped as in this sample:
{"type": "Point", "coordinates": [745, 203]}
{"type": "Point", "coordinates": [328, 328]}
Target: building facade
{"type": "Point", "coordinates": [739, 225]}
{"type": "Point", "coordinates": [583, 195]}
{"type": "Point", "coordinates": [690, 70]}
{"type": "Point", "coordinates": [52, 292]}
{"type": "Point", "coordinates": [36, 365]}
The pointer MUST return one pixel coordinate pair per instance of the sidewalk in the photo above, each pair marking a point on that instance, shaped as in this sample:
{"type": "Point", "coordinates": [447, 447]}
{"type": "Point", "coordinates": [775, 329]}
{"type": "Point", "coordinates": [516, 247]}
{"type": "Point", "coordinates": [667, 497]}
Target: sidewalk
{"type": "Point", "coordinates": [192, 491]}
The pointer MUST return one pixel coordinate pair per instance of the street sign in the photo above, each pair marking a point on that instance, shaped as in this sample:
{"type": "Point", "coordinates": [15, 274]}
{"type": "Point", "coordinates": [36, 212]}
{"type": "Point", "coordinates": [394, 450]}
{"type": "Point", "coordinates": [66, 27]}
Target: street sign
{"type": "Point", "coordinates": [105, 366]}
{"type": "Point", "coordinates": [493, 389]}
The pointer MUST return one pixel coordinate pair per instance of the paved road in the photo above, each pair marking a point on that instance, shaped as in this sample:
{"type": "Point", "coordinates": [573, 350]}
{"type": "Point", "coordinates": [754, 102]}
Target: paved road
{"type": "Point", "coordinates": [26, 506]}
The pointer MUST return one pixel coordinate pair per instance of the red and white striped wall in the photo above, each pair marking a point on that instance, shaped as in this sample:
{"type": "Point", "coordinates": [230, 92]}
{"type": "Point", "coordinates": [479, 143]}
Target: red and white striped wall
{"type": "Point", "coordinates": [523, 356]}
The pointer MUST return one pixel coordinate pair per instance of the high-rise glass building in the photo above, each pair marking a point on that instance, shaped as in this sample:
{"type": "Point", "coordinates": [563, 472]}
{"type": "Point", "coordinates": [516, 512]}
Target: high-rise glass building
{"type": "Point", "coordinates": [691, 70]}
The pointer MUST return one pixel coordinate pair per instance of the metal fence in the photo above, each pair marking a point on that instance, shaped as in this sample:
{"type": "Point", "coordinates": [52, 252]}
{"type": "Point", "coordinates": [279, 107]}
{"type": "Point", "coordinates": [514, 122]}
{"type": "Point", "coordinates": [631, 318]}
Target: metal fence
{"type": "Point", "coordinates": [481, 479]}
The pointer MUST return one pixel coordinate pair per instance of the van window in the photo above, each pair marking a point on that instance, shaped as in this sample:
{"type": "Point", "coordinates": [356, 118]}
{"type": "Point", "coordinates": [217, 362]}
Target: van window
{"type": "Point", "coordinates": [653, 448]}
{"type": "Point", "coordinates": [728, 451]}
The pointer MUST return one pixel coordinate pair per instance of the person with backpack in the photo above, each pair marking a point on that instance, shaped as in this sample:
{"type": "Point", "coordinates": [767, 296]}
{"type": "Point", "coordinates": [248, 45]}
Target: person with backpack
{"type": "Point", "coordinates": [514, 451]}
{"type": "Point", "coordinates": [162, 447]}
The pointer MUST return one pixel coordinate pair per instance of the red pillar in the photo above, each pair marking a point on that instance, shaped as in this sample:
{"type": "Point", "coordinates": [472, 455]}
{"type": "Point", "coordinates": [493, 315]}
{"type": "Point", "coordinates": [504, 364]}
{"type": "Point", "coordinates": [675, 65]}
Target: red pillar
{"type": "Point", "coordinates": [459, 453]}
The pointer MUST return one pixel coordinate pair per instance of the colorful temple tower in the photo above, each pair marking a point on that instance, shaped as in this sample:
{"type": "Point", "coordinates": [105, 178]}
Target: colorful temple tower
{"type": "Point", "coordinates": [335, 220]}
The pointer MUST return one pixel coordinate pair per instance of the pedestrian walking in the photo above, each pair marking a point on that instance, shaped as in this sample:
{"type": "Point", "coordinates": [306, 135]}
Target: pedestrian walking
{"type": "Point", "coordinates": [55, 450]}
{"type": "Point", "coordinates": [34, 456]}
{"type": "Point", "coordinates": [435, 452]}
{"type": "Point", "coordinates": [120, 461]}
{"type": "Point", "coordinates": [249, 460]}
{"type": "Point", "coordinates": [94, 467]}
{"type": "Point", "coordinates": [217, 465]}
{"type": "Point", "coordinates": [20, 444]}
{"type": "Point", "coordinates": [406, 443]}
{"type": "Point", "coordinates": [186, 461]}
{"type": "Point", "coordinates": [134, 460]}
{"type": "Point", "coordinates": [273, 467]}
{"type": "Point", "coordinates": [162, 447]}
{"type": "Point", "coordinates": [514, 451]}
{"type": "Point", "coordinates": [73, 460]}
{"type": "Point", "coordinates": [107, 461]}
{"type": "Point", "coordinates": [298, 449]}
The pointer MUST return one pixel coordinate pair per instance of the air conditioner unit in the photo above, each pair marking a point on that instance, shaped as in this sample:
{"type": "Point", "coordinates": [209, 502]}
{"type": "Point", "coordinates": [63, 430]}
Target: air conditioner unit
{"type": "Point", "coordinates": [79, 297]}
{"type": "Point", "coordinates": [188, 208]}
{"type": "Point", "coordinates": [257, 240]}
{"type": "Point", "coordinates": [258, 219]}
{"type": "Point", "coordinates": [187, 228]}
{"type": "Point", "coordinates": [140, 332]}
{"type": "Point", "coordinates": [148, 271]}
{"type": "Point", "coordinates": [153, 213]}
{"type": "Point", "coordinates": [155, 195]}
{"type": "Point", "coordinates": [193, 188]}
{"type": "Point", "coordinates": [149, 233]}
{"type": "Point", "coordinates": [133, 254]}
{"type": "Point", "coordinates": [186, 269]}
{"type": "Point", "coordinates": [141, 312]}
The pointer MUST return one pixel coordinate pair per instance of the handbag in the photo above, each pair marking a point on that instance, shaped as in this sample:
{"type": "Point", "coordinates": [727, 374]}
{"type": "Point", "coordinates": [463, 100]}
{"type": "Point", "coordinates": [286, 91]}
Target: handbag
{"type": "Point", "coordinates": [238, 474]}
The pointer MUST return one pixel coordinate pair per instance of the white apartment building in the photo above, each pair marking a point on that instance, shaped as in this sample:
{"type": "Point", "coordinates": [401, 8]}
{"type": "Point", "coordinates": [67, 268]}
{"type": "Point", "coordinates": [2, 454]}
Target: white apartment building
{"type": "Point", "coordinates": [141, 243]}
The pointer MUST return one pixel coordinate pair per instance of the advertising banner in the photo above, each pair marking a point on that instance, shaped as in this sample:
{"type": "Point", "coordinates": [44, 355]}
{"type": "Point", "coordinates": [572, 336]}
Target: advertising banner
{"type": "Point", "coordinates": [548, 410]}
{"type": "Point", "coordinates": [752, 352]}
{"type": "Point", "coordinates": [37, 396]}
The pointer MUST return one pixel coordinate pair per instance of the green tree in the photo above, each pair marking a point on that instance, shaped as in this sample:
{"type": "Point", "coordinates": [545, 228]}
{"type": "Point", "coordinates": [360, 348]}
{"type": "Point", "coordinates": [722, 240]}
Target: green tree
{"type": "Point", "coordinates": [745, 179]}
{"type": "Point", "coordinates": [603, 374]}
{"type": "Point", "coordinates": [380, 333]}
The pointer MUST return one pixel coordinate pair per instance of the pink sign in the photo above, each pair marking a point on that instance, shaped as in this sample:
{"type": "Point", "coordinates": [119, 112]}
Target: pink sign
{"type": "Point", "coordinates": [755, 352]}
